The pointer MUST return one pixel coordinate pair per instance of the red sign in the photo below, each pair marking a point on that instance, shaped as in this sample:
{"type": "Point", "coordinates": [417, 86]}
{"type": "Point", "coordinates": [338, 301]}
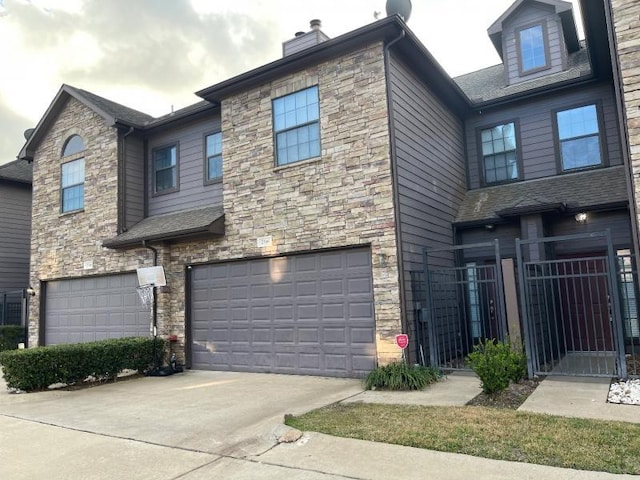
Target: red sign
{"type": "Point", "coordinates": [402, 340]}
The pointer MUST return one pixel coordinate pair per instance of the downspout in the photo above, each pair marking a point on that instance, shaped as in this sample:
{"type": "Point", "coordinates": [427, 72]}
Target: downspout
{"type": "Point", "coordinates": [122, 183]}
{"type": "Point", "coordinates": [394, 181]}
{"type": "Point", "coordinates": [624, 132]}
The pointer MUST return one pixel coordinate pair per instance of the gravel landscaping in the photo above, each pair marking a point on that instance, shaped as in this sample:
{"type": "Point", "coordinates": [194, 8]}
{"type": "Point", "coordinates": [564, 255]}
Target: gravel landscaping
{"type": "Point", "coordinates": [625, 392]}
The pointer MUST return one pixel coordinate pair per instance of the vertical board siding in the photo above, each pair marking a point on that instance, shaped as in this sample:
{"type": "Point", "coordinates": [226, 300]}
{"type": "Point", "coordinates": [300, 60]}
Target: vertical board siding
{"type": "Point", "coordinates": [192, 193]}
{"type": "Point", "coordinates": [15, 221]}
{"type": "Point", "coordinates": [134, 181]}
{"type": "Point", "coordinates": [528, 16]}
{"type": "Point", "coordinates": [536, 135]}
{"type": "Point", "coordinates": [430, 168]}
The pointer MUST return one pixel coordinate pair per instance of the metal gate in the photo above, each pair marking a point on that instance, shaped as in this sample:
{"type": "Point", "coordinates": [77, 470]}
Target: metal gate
{"type": "Point", "coordinates": [464, 304]}
{"type": "Point", "coordinates": [13, 307]}
{"type": "Point", "coordinates": [570, 310]}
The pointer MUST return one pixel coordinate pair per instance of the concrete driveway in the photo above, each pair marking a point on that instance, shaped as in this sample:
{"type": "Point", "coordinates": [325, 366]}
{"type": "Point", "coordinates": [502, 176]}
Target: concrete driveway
{"type": "Point", "coordinates": [155, 428]}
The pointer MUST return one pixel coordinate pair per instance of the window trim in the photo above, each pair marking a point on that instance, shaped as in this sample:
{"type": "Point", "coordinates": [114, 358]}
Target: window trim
{"type": "Point", "coordinates": [480, 155]}
{"type": "Point", "coordinates": [205, 163]}
{"type": "Point", "coordinates": [66, 144]}
{"type": "Point", "coordinates": [275, 132]}
{"type": "Point", "coordinates": [604, 157]}
{"type": "Point", "coordinates": [154, 193]}
{"type": "Point", "coordinates": [545, 42]}
{"type": "Point", "coordinates": [62, 189]}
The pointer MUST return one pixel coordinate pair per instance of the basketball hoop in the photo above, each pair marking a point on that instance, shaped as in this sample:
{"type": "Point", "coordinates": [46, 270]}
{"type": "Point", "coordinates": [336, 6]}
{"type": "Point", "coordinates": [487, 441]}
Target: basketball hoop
{"type": "Point", "coordinates": [146, 294]}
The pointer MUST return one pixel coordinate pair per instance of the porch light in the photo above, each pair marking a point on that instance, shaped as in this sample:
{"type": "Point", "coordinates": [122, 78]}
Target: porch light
{"type": "Point", "coordinates": [581, 217]}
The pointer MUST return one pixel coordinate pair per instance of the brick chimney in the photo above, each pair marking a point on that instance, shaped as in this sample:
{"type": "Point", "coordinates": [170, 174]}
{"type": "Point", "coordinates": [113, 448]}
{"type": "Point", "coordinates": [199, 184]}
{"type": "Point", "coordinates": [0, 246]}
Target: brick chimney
{"type": "Point", "coordinates": [302, 41]}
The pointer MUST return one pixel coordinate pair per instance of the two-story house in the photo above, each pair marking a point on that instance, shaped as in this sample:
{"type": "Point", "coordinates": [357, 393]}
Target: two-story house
{"type": "Point", "coordinates": [291, 207]}
{"type": "Point", "coordinates": [15, 218]}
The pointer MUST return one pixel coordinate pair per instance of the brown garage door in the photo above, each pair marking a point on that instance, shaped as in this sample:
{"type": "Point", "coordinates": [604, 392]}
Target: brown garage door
{"type": "Point", "coordinates": [94, 308]}
{"type": "Point", "coordinates": [304, 314]}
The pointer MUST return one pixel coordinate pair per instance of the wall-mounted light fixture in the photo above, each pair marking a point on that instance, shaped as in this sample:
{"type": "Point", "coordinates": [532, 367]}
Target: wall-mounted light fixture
{"type": "Point", "coordinates": [581, 217]}
{"type": "Point", "coordinates": [31, 292]}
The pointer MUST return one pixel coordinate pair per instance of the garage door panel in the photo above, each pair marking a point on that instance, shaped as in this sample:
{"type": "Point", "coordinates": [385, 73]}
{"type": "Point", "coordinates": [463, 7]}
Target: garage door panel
{"type": "Point", "coordinates": [305, 314]}
{"type": "Point", "coordinates": [88, 309]}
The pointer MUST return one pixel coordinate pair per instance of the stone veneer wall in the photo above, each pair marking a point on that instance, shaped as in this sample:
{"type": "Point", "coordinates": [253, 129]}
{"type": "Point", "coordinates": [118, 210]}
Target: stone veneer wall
{"type": "Point", "coordinates": [626, 18]}
{"type": "Point", "coordinates": [61, 243]}
{"type": "Point", "coordinates": [343, 198]}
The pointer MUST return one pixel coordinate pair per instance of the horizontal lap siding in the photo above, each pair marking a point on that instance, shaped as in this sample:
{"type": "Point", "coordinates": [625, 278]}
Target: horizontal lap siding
{"type": "Point", "coordinates": [193, 192]}
{"type": "Point", "coordinates": [134, 180]}
{"type": "Point", "coordinates": [537, 140]}
{"type": "Point", "coordinates": [617, 222]}
{"type": "Point", "coordinates": [431, 174]}
{"type": "Point", "coordinates": [505, 234]}
{"type": "Point", "coordinates": [15, 220]}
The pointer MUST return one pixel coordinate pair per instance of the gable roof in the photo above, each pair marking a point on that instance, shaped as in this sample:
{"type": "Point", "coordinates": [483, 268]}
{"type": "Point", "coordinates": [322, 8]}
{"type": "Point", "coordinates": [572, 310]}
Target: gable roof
{"type": "Point", "coordinates": [562, 8]}
{"type": "Point", "coordinates": [17, 171]}
{"type": "Point", "coordinates": [573, 191]}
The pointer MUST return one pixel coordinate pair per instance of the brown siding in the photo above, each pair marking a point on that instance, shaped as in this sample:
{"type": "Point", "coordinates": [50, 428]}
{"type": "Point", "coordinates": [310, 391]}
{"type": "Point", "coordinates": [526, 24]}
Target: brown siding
{"type": "Point", "coordinates": [618, 223]}
{"type": "Point", "coordinates": [15, 220]}
{"type": "Point", "coordinates": [430, 170]}
{"type": "Point", "coordinates": [537, 139]}
{"type": "Point", "coordinates": [192, 192]}
{"type": "Point", "coordinates": [134, 181]}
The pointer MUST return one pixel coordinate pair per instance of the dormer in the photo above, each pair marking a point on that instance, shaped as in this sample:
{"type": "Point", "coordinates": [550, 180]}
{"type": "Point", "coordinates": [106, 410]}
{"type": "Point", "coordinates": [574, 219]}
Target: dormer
{"type": "Point", "coordinates": [534, 38]}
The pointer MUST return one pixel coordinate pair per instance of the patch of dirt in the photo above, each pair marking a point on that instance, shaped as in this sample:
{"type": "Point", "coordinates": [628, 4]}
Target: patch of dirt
{"type": "Point", "coordinates": [511, 398]}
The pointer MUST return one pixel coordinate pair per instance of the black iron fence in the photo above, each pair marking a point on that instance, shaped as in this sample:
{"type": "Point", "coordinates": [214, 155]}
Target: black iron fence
{"type": "Point", "coordinates": [13, 308]}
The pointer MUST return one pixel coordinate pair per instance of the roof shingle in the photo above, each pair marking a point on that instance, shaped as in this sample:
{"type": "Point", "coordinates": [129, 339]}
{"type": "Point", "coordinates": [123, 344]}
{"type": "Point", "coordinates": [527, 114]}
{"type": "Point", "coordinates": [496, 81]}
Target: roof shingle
{"type": "Point", "coordinates": [17, 171]}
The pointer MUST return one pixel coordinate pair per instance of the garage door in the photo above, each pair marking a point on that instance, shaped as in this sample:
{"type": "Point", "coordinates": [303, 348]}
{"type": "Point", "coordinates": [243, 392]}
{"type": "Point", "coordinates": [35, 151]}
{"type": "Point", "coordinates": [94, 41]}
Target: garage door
{"type": "Point", "coordinates": [94, 308]}
{"type": "Point", "coordinates": [305, 314]}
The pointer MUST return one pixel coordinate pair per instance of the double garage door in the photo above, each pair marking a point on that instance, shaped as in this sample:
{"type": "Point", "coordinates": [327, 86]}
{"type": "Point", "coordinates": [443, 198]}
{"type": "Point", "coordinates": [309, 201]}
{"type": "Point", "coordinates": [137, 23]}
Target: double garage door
{"type": "Point", "coordinates": [94, 308]}
{"type": "Point", "coordinates": [305, 314]}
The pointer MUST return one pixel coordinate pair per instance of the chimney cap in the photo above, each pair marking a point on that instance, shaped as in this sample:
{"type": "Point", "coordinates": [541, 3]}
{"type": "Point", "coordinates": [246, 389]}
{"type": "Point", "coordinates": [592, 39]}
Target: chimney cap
{"type": "Point", "coordinates": [298, 34]}
{"type": "Point", "coordinates": [316, 24]}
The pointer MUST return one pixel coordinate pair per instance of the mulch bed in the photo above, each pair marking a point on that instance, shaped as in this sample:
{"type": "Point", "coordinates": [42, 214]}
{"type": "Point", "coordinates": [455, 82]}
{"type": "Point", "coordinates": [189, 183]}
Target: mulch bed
{"type": "Point", "coordinates": [511, 398]}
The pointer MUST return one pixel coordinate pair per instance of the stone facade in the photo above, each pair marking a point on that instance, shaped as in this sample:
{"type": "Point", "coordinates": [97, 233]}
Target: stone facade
{"type": "Point", "coordinates": [344, 198]}
{"type": "Point", "coordinates": [626, 18]}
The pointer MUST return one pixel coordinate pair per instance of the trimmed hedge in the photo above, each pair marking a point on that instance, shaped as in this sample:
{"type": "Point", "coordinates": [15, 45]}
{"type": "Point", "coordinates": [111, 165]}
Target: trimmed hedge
{"type": "Point", "coordinates": [11, 336]}
{"type": "Point", "coordinates": [37, 368]}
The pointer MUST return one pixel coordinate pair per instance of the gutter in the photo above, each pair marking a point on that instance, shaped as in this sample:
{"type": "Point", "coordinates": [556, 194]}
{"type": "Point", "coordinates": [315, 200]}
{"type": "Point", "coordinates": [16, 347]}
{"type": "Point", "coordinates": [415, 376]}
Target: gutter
{"type": "Point", "coordinates": [394, 182]}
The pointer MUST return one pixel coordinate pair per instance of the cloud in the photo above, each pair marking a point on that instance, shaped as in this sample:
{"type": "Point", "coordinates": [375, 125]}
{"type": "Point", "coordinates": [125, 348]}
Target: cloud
{"type": "Point", "coordinates": [162, 44]}
{"type": "Point", "coordinates": [12, 127]}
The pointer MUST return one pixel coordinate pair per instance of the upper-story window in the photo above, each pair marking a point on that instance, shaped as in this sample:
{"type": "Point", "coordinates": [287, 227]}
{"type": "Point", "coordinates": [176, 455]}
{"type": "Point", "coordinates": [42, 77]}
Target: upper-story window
{"type": "Point", "coordinates": [72, 186]}
{"type": "Point", "coordinates": [579, 137]}
{"type": "Point", "coordinates": [532, 49]}
{"type": "Point", "coordinates": [165, 169]}
{"type": "Point", "coordinates": [499, 153]}
{"type": "Point", "coordinates": [213, 165]}
{"type": "Point", "coordinates": [296, 126]}
{"type": "Point", "coordinates": [74, 144]}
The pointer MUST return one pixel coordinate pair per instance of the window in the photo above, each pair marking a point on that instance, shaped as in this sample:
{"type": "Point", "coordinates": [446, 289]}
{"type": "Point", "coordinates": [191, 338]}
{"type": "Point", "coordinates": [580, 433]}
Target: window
{"type": "Point", "coordinates": [165, 169]}
{"type": "Point", "coordinates": [499, 156]}
{"type": "Point", "coordinates": [213, 165]}
{"type": "Point", "coordinates": [296, 126]}
{"type": "Point", "coordinates": [579, 137]}
{"type": "Point", "coordinates": [72, 186]}
{"type": "Point", "coordinates": [532, 48]}
{"type": "Point", "coordinates": [74, 144]}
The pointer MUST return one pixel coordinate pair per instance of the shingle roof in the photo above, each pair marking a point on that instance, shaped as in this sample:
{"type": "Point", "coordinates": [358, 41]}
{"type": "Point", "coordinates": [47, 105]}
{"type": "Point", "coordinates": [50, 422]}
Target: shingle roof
{"type": "Point", "coordinates": [17, 171]}
{"type": "Point", "coordinates": [120, 112]}
{"type": "Point", "coordinates": [574, 191]}
{"type": "Point", "coordinates": [489, 83]}
{"type": "Point", "coordinates": [172, 226]}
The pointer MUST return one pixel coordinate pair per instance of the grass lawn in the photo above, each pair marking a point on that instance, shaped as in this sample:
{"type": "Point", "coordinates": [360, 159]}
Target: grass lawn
{"type": "Point", "coordinates": [486, 432]}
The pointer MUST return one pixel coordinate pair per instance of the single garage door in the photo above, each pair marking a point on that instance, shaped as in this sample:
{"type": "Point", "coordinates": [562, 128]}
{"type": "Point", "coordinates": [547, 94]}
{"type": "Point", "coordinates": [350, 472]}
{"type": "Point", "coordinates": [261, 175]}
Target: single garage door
{"type": "Point", "coordinates": [94, 308]}
{"type": "Point", "coordinates": [304, 314]}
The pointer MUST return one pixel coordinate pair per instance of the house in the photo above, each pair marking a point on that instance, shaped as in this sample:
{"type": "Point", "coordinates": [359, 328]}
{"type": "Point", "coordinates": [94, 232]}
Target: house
{"type": "Point", "coordinates": [307, 211]}
{"type": "Point", "coordinates": [15, 218]}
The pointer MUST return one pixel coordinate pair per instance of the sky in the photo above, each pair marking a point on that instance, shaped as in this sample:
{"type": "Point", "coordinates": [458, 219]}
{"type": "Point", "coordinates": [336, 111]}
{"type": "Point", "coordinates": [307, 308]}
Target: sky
{"type": "Point", "coordinates": [152, 55]}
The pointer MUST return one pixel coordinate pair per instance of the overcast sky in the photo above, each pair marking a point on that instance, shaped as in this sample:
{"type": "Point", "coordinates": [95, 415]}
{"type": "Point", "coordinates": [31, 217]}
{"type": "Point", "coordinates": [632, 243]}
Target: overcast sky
{"type": "Point", "coordinates": [153, 54]}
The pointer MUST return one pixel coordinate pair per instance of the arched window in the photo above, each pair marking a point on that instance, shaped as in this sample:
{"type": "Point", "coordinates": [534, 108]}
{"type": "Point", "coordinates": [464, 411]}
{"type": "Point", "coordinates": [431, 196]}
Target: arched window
{"type": "Point", "coordinates": [74, 144]}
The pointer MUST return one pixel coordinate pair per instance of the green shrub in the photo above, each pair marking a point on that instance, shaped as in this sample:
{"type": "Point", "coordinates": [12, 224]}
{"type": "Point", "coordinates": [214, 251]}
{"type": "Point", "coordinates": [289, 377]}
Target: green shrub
{"type": "Point", "coordinates": [497, 364]}
{"type": "Point", "coordinates": [11, 336]}
{"type": "Point", "coordinates": [37, 368]}
{"type": "Point", "coordinates": [400, 376]}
